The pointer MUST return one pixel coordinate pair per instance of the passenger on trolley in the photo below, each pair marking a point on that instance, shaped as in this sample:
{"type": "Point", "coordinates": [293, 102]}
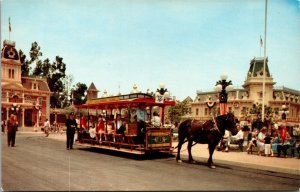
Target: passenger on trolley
{"type": "Point", "coordinates": [83, 122]}
{"type": "Point", "coordinates": [100, 129]}
{"type": "Point", "coordinates": [141, 122]}
{"type": "Point", "coordinates": [120, 127]}
{"type": "Point", "coordinates": [110, 128]}
{"type": "Point", "coordinates": [155, 121]}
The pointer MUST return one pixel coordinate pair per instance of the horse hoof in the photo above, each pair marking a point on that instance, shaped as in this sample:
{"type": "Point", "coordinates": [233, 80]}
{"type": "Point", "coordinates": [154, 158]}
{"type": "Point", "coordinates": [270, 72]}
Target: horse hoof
{"type": "Point", "coordinates": [212, 166]}
{"type": "Point", "coordinates": [179, 161]}
{"type": "Point", "coordinates": [192, 161]}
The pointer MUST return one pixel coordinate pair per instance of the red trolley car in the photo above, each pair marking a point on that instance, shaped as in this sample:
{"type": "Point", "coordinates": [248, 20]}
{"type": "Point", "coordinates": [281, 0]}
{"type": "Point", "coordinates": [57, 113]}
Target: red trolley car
{"type": "Point", "coordinates": [138, 137]}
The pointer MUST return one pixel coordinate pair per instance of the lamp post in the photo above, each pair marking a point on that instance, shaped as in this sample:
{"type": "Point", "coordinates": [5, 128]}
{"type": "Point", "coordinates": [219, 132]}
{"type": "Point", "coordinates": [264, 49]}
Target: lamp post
{"type": "Point", "coordinates": [223, 87]}
{"type": "Point", "coordinates": [15, 108]}
{"type": "Point", "coordinates": [161, 94]}
{"type": "Point", "coordinates": [80, 115]}
{"type": "Point", "coordinates": [284, 111]}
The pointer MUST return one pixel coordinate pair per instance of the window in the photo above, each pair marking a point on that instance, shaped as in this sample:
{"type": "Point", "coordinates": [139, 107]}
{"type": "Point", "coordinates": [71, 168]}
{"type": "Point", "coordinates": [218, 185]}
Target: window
{"type": "Point", "coordinates": [206, 111]}
{"type": "Point", "coordinates": [197, 111]}
{"type": "Point", "coordinates": [34, 86]}
{"type": "Point", "coordinates": [11, 73]}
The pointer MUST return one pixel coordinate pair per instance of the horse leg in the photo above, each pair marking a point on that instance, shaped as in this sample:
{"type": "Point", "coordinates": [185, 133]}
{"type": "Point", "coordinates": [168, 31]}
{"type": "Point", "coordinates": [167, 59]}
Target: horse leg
{"type": "Point", "coordinates": [190, 144]}
{"type": "Point", "coordinates": [178, 150]}
{"type": "Point", "coordinates": [211, 152]}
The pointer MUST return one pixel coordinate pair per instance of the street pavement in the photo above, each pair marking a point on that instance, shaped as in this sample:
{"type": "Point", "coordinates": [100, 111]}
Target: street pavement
{"type": "Point", "coordinates": [236, 158]}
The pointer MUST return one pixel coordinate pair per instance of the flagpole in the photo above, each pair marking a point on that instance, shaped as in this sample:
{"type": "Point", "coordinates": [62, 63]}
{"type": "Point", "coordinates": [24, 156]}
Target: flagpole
{"type": "Point", "coordinates": [265, 52]}
{"type": "Point", "coordinates": [260, 45]}
{"type": "Point", "coordinates": [9, 28]}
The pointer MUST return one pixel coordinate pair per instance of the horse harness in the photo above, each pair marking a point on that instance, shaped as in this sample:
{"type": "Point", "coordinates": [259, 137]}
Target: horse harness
{"type": "Point", "coordinates": [216, 126]}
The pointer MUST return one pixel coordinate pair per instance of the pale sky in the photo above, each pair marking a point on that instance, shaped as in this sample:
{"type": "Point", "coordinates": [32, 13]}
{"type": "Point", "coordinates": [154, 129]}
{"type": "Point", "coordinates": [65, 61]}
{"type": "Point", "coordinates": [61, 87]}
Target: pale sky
{"type": "Point", "coordinates": [184, 44]}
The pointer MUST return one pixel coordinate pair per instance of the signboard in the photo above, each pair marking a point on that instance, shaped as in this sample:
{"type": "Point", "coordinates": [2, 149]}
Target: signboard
{"type": "Point", "coordinates": [159, 98]}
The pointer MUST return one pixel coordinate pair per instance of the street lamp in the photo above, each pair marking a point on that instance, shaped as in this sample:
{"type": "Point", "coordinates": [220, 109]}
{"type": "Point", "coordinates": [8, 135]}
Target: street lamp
{"type": "Point", "coordinates": [135, 89]}
{"type": "Point", "coordinates": [162, 93]}
{"type": "Point", "coordinates": [80, 115]}
{"type": "Point", "coordinates": [284, 111]}
{"type": "Point", "coordinates": [223, 87]}
{"type": "Point", "coordinates": [15, 108]}
{"type": "Point", "coordinates": [160, 96]}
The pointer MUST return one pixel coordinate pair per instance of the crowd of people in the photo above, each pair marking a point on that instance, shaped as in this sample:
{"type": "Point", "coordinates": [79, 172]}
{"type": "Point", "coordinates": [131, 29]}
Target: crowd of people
{"type": "Point", "coordinates": [268, 142]}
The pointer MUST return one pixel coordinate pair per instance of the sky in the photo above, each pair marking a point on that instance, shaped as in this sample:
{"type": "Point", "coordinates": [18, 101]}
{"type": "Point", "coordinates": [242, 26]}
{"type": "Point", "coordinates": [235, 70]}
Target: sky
{"type": "Point", "coordinates": [186, 45]}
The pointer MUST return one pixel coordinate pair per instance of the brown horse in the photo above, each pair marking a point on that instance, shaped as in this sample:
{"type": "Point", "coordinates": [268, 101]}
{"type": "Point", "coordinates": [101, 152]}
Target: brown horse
{"type": "Point", "coordinates": [209, 133]}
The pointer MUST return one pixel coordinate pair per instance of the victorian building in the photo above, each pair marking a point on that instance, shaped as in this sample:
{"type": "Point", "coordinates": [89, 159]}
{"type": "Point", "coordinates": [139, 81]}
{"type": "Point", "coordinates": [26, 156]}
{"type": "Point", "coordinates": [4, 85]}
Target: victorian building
{"type": "Point", "coordinates": [241, 100]}
{"type": "Point", "coordinates": [28, 97]}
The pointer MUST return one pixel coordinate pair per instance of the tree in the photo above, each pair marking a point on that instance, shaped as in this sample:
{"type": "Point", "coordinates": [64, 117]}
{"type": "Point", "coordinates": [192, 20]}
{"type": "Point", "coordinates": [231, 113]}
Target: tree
{"type": "Point", "coordinates": [176, 113]}
{"type": "Point", "coordinates": [34, 54]}
{"type": "Point", "coordinates": [78, 93]}
{"type": "Point", "coordinates": [25, 68]}
{"type": "Point", "coordinates": [257, 110]}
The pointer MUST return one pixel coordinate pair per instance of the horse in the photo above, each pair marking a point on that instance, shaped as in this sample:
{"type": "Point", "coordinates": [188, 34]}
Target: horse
{"type": "Point", "coordinates": [209, 132]}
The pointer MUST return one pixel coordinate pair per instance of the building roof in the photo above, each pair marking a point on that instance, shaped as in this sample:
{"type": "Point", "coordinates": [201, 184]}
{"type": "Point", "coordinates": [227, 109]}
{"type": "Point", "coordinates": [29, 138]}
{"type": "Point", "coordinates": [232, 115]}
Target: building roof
{"type": "Point", "coordinates": [92, 87]}
{"type": "Point", "coordinates": [9, 51]}
{"type": "Point", "coordinates": [286, 89]}
{"type": "Point", "coordinates": [256, 67]}
{"type": "Point", "coordinates": [42, 83]}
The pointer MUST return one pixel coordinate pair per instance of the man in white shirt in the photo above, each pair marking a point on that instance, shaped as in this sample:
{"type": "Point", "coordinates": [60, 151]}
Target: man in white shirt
{"type": "Point", "coordinates": [47, 127]}
{"type": "Point", "coordinates": [238, 138]}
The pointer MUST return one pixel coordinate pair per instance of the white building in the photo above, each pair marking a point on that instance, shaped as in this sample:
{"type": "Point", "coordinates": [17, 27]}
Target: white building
{"type": "Point", "coordinates": [241, 100]}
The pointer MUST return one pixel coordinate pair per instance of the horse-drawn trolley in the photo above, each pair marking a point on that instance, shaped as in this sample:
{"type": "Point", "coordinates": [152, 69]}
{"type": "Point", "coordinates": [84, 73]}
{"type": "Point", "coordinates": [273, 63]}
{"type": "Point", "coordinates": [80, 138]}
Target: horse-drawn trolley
{"type": "Point", "coordinates": [132, 123]}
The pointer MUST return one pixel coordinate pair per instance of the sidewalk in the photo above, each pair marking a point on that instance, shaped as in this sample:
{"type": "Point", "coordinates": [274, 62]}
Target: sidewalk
{"type": "Point", "coordinates": [242, 159]}
{"type": "Point", "coordinates": [283, 165]}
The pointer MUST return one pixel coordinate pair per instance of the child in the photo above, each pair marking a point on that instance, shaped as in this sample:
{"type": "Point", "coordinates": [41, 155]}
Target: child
{"type": "Point", "coordinates": [267, 146]}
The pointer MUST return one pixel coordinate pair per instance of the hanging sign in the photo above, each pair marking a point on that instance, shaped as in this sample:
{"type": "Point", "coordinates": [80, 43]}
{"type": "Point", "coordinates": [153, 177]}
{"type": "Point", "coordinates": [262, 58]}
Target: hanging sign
{"type": "Point", "coordinates": [159, 98]}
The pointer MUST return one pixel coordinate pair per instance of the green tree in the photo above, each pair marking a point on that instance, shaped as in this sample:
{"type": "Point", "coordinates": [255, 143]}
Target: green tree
{"type": "Point", "coordinates": [176, 113]}
{"type": "Point", "coordinates": [257, 110]}
{"type": "Point", "coordinates": [55, 73]}
{"type": "Point", "coordinates": [25, 68]}
{"type": "Point", "coordinates": [78, 93]}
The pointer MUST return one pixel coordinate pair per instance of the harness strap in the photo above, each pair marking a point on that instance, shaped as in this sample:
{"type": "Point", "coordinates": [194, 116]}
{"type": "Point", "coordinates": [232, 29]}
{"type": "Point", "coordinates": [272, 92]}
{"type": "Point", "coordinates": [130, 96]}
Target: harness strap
{"type": "Point", "coordinates": [217, 128]}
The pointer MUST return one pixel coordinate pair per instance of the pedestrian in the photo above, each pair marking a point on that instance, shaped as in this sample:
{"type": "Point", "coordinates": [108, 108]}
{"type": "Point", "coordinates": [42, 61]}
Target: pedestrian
{"type": "Point", "coordinates": [261, 141]}
{"type": "Point", "coordinates": [253, 140]}
{"type": "Point", "coordinates": [267, 145]}
{"type": "Point", "coordinates": [12, 126]}
{"type": "Point", "coordinates": [71, 127]}
{"type": "Point", "coordinates": [225, 142]}
{"type": "Point", "coordinates": [3, 125]}
{"type": "Point", "coordinates": [46, 127]}
{"type": "Point", "coordinates": [238, 138]}
{"type": "Point", "coordinates": [77, 119]}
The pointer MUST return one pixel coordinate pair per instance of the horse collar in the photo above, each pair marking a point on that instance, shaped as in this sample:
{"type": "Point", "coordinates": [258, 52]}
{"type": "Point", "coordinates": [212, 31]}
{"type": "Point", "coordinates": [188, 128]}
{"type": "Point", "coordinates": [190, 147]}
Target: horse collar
{"type": "Point", "coordinates": [216, 125]}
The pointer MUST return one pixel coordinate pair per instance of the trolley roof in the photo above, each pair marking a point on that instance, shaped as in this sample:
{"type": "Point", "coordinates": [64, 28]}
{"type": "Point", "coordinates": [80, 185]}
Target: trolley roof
{"type": "Point", "coordinates": [124, 101]}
